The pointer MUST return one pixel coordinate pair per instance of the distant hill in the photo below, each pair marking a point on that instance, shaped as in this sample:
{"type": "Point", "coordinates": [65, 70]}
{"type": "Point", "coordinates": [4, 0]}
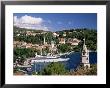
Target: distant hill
{"type": "Point", "coordinates": [24, 29]}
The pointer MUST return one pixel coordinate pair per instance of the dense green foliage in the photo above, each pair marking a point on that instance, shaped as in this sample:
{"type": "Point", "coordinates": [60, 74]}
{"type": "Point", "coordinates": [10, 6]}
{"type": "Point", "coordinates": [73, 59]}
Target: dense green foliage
{"type": "Point", "coordinates": [64, 48]}
{"type": "Point", "coordinates": [55, 68]}
{"type": "Point", "coordinates": [23, 53]}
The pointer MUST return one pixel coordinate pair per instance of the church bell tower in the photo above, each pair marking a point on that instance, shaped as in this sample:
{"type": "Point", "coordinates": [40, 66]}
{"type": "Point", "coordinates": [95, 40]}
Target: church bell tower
{"type": "Point", "coordinates": [85, 56]}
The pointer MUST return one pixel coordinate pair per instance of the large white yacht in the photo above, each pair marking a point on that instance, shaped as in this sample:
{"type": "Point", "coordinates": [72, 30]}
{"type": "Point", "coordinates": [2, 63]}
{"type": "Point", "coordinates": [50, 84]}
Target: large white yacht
{"type": "Point", "coordinates": [48, 58]}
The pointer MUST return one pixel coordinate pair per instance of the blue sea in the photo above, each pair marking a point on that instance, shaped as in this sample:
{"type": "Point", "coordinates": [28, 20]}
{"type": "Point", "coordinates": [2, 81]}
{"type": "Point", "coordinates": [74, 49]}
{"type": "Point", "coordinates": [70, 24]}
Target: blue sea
{"type": "Point", "coordinates": [71, 64]}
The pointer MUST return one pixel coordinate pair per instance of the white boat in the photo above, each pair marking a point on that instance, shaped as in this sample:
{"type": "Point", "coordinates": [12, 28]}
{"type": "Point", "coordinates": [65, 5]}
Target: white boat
{"type": "Point", "coordinates": [52, 56]}
{"type": "Point", "coordinates": [39, 56]}
{"type": "Point", "coordinates": [49, 60]}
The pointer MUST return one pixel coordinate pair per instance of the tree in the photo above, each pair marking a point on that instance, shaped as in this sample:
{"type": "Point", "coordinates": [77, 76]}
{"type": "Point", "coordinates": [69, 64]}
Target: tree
{"type": "Point", "coordinates": [55, 68]}
{"type": "Point", "coordinates": [63, 48]}
{"type": "Point", "coordinates": [23, 53]}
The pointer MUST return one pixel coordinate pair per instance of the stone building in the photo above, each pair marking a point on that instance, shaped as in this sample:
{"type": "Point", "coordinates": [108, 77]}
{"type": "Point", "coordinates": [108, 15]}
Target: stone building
{"type": "Point", "coordinates": [85, 56]}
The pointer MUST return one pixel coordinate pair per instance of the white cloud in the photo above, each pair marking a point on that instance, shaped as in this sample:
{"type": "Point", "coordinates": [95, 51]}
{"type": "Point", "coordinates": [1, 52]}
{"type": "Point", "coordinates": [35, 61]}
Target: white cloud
{"type": "Point", "coordinates": [30, 22]}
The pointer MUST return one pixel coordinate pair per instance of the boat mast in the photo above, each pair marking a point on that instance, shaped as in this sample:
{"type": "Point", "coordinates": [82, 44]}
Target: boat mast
{"type": "Point", "coordinates": [44, 38]}
{"type": "Point", "coordinates": [41, 50]}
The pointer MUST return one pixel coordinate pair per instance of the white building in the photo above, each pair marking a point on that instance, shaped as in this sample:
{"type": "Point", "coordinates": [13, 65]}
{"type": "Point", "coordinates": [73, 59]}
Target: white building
{"type": "Point", "coordinates": [73, 41]}
{"type": "Point", "coordinates": [62, 40]}
{"type": "Point", "coordinates": [55, 34]}
{"type": "Point", "coordinates": [85, 56]}
{"type": "Point", "coordinates": [52, 44]}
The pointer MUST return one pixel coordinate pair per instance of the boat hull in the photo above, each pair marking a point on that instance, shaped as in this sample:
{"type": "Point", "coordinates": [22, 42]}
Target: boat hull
{"type": "Point", "coordinates": [49, 60]}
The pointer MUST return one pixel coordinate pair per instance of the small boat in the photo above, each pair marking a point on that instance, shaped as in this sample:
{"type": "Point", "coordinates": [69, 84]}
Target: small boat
{"type": "Point", "coordinates": [29, 69]}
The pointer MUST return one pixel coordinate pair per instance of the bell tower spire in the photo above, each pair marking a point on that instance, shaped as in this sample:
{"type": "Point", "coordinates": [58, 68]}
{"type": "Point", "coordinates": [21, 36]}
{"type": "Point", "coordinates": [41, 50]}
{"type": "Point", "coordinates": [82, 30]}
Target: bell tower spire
{"type": "Point", "coordinates": [84, 41]}
{"type": "Point", "coordinates": [85, 56]}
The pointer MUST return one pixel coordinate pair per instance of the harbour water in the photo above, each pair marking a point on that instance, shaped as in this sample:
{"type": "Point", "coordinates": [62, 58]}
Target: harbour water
{"type": "Point", "coordinates": [71, 64]}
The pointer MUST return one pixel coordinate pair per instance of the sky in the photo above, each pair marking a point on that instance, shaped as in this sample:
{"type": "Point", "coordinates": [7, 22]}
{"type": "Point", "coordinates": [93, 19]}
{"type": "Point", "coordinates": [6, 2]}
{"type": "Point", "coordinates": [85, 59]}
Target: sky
{"type": "Point", "coordinates": [55, 21]}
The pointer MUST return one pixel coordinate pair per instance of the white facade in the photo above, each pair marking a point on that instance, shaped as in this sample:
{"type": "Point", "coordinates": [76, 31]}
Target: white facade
{"type": "Point", "coordinates": [44, 39]}
{"type": "Point", "coordinates": [62, 40]}
{"type": "Point", "coordinates": [85, 56]}
{"type": "Point", "coordinates": [52, 44]}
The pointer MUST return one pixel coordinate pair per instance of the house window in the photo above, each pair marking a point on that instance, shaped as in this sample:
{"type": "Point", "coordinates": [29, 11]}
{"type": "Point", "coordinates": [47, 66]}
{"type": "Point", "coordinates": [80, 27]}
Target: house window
{"type": "Point", "coordinates": [84, 53]}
